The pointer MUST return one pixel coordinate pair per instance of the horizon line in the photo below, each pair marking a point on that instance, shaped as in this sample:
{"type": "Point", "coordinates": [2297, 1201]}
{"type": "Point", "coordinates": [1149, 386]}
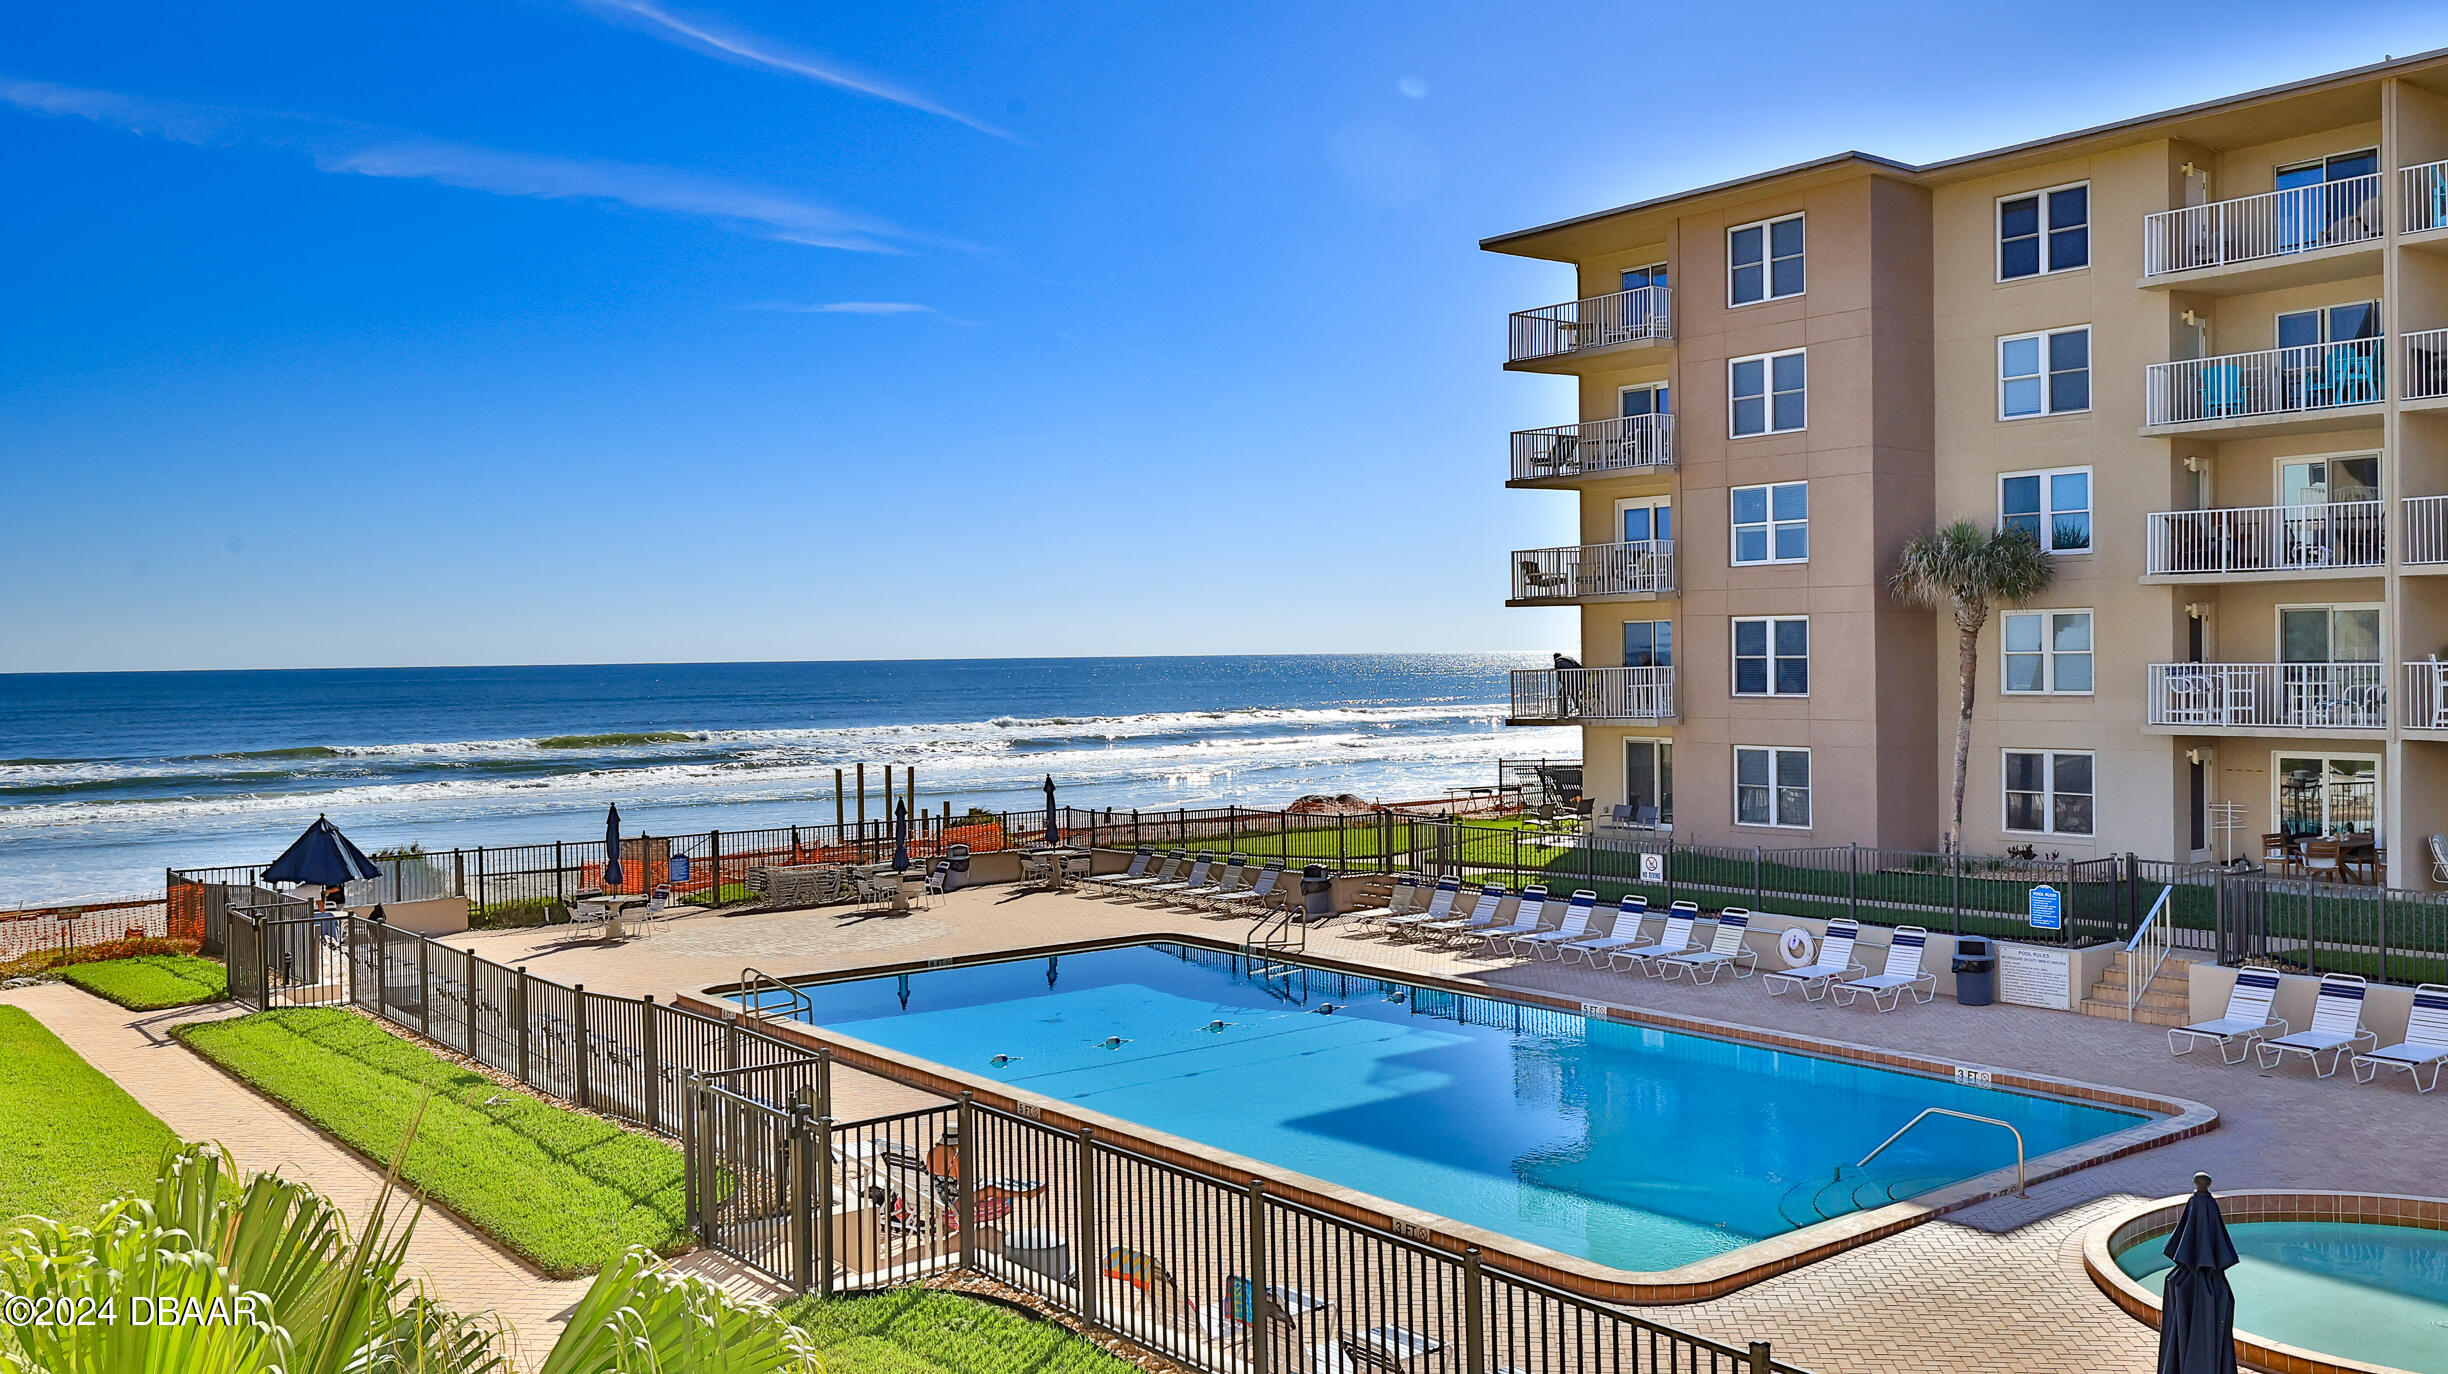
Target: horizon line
{"type": "Point", "coordinates": [761, 662]}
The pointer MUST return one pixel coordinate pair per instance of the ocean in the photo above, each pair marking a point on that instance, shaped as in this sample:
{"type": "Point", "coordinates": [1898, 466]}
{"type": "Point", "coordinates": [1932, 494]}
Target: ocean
{"type": "Point", "coordinates": [106, 779]}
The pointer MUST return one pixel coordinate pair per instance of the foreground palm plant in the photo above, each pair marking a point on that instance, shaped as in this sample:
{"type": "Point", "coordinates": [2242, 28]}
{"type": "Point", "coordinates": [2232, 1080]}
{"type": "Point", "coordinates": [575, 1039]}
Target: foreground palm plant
{"type": "Point", "coordinates": [1968, 570]}
{"type": "Point", "coordinates": [211, 1275]}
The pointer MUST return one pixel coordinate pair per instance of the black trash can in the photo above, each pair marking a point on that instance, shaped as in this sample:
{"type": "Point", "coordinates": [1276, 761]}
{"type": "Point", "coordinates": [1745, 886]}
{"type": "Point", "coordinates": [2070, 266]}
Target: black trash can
{"type": "Point", "coordinates": [1975, 971]}
{"type": "Point", "coordinates": [1317, 893]}
{"type": "Point", "coordinates": [957, 855]}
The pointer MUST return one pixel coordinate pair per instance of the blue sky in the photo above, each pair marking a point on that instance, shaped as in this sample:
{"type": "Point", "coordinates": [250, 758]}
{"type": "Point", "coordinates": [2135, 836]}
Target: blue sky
{"type": "Point", "coordinates": [604, 330]}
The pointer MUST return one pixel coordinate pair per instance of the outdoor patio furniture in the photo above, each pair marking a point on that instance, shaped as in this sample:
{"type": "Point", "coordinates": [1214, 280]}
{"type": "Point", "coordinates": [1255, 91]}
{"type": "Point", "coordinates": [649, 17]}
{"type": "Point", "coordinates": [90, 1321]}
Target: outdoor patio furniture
{"type": "Point", "coordinates": [1440, 907]}
{"type": "Point", "coordinates": [1140, 859]}
{"type": "Point", "coordinates": [1903, 974]}
{"type": "Point", "coordinates": [2439, 858]}
{"type": "Point", "coordinates": [1485, 912]}
{"type": "Point", "coordinates": [2337, 1027]}
{"type": "Point", "coordinates": [1537, 582]}
{"type": "Point", "coordinates": [2247, 1019]}
{"type": "Point", "coordinates": [1675, 939]}
{"type": "Point", "coordinates": [1835, 962]}
{"type": "Point", "coordinates": [2279, 849]}
{"type": "Point", "coordinates": [2321, 860]}
{"type": "Point", "coordinates": [1545, 944]}
{"type": "Point", "coordinates": [1402, 900]}
{"type": "Point", "coordinates": [1622, 933]}
{"type": "Point", "coordinates": [1726, 950]}
{"type": "Point", "coordinates": [1252, 898]}
{"type": "Point", "coordinates": [1529, 916]}
{"type": "Point", "coordinates": [2425, 1044]}
{"type": "Point", "coordinates": [1195, 878]}
{"type": "Point", "coordinates": [1122, 889]}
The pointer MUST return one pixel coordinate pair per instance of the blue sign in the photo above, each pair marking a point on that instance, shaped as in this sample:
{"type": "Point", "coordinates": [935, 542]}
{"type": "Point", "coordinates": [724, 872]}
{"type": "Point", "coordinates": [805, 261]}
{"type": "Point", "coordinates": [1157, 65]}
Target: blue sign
{"type": "Point", "coordinates": [2047, 908]}
{"type": "Point", "coordinates": [679, 868]}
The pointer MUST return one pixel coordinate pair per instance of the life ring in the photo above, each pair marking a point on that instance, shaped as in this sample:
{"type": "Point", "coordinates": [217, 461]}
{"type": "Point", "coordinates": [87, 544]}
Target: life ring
{"type": "Point", "coordinates": [1794, 947]}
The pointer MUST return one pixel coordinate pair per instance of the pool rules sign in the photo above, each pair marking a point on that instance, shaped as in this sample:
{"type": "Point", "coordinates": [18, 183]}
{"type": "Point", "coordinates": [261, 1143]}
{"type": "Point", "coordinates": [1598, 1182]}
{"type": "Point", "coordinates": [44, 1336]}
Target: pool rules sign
{"type": "Point", "coordinates": [2047, 908]}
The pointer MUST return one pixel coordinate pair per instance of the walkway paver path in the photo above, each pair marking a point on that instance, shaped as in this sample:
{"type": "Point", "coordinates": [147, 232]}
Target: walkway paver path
{"type": "Point", "coordinates": [462, 1268]}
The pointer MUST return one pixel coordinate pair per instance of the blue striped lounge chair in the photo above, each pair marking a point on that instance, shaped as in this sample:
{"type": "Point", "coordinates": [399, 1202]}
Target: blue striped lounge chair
{"type": "Point", "coordinates": [1551, 944]}
{"type": "Point", "coordinates": [1726, 951]}
{"type": "Point", "coordinates": [1676, 939]}
{"type": "Point", "coordinates": [1886, 988]}
{"type": "Point", "coordinates": [1835, 963]}
{"type": "Point", "coordinates": [2337, 1028]}
{"type": "Point", "coordinates": [2246, 1023]}
{"type": "Point", "coordinates": [2425, 1045]}
{"type": "Point", "coordinates": [1625, 933]}
{"type": "Point", "coordinates": [1529, 917]}
{"type": "Point", "coordinates": [1439, 908]}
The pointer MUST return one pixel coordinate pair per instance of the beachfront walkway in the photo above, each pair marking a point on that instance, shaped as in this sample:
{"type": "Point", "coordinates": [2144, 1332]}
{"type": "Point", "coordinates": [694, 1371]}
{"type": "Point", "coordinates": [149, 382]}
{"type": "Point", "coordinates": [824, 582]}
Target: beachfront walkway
{"type": "Point", "coordinates": [199, 1102]}
{"type": "Point", "coordinates": [1997, 1287]}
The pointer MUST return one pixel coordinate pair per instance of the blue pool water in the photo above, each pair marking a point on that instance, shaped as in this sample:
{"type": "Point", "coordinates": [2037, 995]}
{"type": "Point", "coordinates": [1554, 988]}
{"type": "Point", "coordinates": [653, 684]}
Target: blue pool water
{"type": "Point", "coordinates": [2373, 1293]}
{"type": "Point", "coordinates": [1628, 1146]}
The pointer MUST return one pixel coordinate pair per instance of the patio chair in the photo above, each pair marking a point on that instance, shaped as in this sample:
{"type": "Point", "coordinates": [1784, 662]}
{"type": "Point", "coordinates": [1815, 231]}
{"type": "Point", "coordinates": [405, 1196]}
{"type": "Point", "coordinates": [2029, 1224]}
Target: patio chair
{"type": "Point", "coordinates": [2337, 1027]}
{"type": "Point", "coordinates": [2439, 858]}
{"type": "Point", "coordinates": [1903, 974]}
{"type": "Point", "coordinates": [1529, 917]}
{"type": "Point", "coordinates": [1491, 905]}
{"type": "Point", "coordinates": [2425, 1045]}
{"type": "Point", "coordinates": [940, 876]}
{"type": "Point", "coordinates": [1835, 962]}
{"type": "Point", "coordinates": [2222, 389]}
{"type": "Point", "coordinates": [1725, 951]}
{"type": "Point", "coordinates": [2352, 377]}
{"type": "Point", "coordinates": [1218, 883]}
{"type": "Point", "coordinates": [2247, 1020]}
{"type": "Point", "coordinates": [2322, 859]}
{"type": "Point", "coordinates": [1171, 869]}
{"type": "Point", "coordinates": [1195, 878]}
{"type": "Point", "coordinates": [2278, 849]}
{"type": "Point", "coordinates": [1622, 933]}
{"type": "Point", "coordinates": [1140, 859]}
{"type": "Point", "coordinates": [1404, 899]}
{"type": "Point", "coordinates": [1250, 898]}
{"type": "Point", "coordinates": [1675, 939]}
{"type": "Point", "coordinates": [1537, 582]}
{"type": "Point", "coordinates": [1549, 944]}
{"type": "Point", "coordinates": [1439, 908]}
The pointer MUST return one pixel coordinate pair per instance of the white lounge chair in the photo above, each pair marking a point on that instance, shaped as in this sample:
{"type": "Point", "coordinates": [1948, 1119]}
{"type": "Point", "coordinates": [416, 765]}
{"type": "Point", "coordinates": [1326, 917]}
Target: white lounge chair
{"type": "Point", "coordinates": [1168, 871]}
{"type": "Point", "coordinates": [1195, 878]}
{"type": "Point", "coordinates": [1402, 901]}
{"type": "Point", "coordinates": [1835, 963]}
{"type": "Point", "coordinates": [1251, 898]}
{"type": "Point", "coordinates": [1903, 974]}
{"type": "Point", "coordinates": [1219, 882]}
{"type": "Point", "coordinates": [2425, 1044]}
{"type": "Point", "coordinates": [1676, 939]}
{"type": "Point", "coordinates": [1726, 951]}
{"type": "Point", "coordinates": [1140, 859]}
{"type": "Point", "coordinates": [1550, 944]}
{"type": "Point", "coordinates": [1439, 908]}
{"type": "Point", "coordinates": [2247, 1020]}
{"type": "Point", "coordinates": [2337, 1027]}
{"type": "Point", "coordinates": [1485, 912]}
{"type": "Point", "coordinates": [1623, 934]}
{"type": "Point", "coordinates": [1529, 917]}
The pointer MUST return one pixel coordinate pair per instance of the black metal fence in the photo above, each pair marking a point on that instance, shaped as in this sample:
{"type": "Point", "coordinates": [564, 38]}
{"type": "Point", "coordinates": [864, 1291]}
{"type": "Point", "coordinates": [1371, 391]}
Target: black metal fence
{"type": "Point", "coordinates": [2388, 935]}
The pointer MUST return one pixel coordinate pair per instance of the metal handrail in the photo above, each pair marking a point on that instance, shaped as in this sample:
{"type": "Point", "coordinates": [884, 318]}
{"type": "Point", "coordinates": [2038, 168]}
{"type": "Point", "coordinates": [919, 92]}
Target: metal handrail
{"type": "Point", "coordinates": [1927, 1112]}
{"type": "Point", "coordinates": [753, 978]}
{"type": "Point", "coordinates": [2159, 940]}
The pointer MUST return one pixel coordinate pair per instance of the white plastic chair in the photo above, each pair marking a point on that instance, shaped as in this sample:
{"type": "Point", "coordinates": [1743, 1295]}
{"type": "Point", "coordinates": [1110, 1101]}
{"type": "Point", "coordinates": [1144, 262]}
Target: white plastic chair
{"type": "Point", "coordinates": [1835, 962]}
{"type": "Point", "coordinates": [1726, 950]}
{"type": "Point", "coordinates": [2337, 1027]}
{"type": "Point", "coordinates": [1902, 974]}
{"type": "Point", "coordinates": [2247, 1020]}
{"type": "Point", "coordinates": [2425, 1044]}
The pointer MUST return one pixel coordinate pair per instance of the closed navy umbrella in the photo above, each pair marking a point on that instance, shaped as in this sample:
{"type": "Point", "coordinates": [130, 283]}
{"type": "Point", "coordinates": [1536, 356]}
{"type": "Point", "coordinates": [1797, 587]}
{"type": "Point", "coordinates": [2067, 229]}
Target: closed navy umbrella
{"type": "Point", "coordinates": [322, 857]}
{"type": "Point", "coordinates": [612, 868]}
{"type": "Point", "coordinates": [2197, 1309]}
{"type": "Point", "coordinates": [1053, 832]}
{"type": "Point", "coordinates": [901, 838]}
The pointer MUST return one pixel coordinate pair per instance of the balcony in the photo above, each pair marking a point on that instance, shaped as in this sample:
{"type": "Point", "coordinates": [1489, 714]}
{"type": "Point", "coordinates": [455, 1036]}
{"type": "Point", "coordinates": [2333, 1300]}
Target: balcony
{"type": "Point", "coordinates": [1593, 572]}
{"type": "Point", "coordinates": [2340, 537]}
{"type": "Point", "coordinates": [2426, 533]}
{"type": "Point", "coordinates": [1573, 696]}
{"type": "Point", "coordinates": [2275, 391]}
{"type": "Point", "coordinates": [2422, 198]}
{"type": "Point", "coordinates": [2426, 697]}
{"type": "Point", "coordinates": [2252, 698]}
{"type": "Point", "coordinates": [2293, 237]}
{"type": "Point", "coordinates": [1630, 446]}
{"type": "Point", "coordinates": [2426, 367]}
{"type": "Point", "coordinates": [1551, 338]}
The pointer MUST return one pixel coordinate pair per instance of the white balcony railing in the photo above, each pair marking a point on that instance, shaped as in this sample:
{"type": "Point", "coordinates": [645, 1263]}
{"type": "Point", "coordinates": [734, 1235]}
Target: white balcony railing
{"type": "Point", "coordinates": [1641, 315]}
{"type": "Point", "coordinates": [2423, 192]}
{"type": "Point", "coordinates": [1570, 694]}
{"type": "Point", "coordinates": [1628, 445]}
{"type": "Point", "coordinates": [2426, 696]}
{"type": "Point", "coordinates": [2261, 539]}
{"type": "Point", "coordinates": [2274, 224]}
{"type": "Point", "coordinates": [1579, 572]}
{"type": "Point", "coordinates": [2274, 381]}
{"type": "Point", "coordinates": [2426, 529]}
{"type": "Point", "coordinates": [2426, 364]}
{"type": "Point", "coordinates": [2279, 696]}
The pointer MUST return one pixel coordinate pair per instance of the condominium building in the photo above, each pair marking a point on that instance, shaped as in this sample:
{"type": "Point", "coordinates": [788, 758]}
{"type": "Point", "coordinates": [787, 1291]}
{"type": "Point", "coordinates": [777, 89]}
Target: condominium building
{"type": "Point", "coordinates": [2202, 355]}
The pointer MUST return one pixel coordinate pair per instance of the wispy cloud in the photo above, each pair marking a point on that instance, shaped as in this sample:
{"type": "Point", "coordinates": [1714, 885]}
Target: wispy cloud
{"type": "Point", "coordinates": [711, 36]}
{"type": "Point", "coordinates": [847, 308]}
{"type": "Point", "coordinates": [340, 147]}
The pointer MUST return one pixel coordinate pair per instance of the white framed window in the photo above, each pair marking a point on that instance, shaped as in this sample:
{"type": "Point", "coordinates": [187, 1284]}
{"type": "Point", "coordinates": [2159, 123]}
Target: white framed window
{"type": "Point", "coordinates": [1772, 787]}
{"type": "Point", "coordinates": [2048, 791]}
{"type": "Point", "coordinates": [1766, 393]}
{"type": "Point", "coordinates": [1764, 261]}
{"type": "Point", "coordinates": [2047, 373]}
{"type": "Point", "coordinates": [1645, 398]}
{"type": "Point", "coordinates": [2054, 504]}
{"type": "Point", "coordinates": [2047, 652]}
{"type": "Point", "coordinates": [2040, 232]}
{"type": "Point", "coordinates": [1771, 523]}
{"type": "Point", "coordinates": [1772, 656]}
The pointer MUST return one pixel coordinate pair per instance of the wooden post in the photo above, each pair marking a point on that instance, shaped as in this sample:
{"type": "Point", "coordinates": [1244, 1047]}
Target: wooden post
{"type": "Point", "coordinates": [862, 801]}
{"type": "Point", "coordinates": [714, 857]}
{"type": "Point", "coordinates": [837, 808]}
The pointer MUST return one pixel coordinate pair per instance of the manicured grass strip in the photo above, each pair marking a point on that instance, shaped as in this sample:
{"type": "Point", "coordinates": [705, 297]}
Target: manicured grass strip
{"type": "Point", "coordinates": [564, 1189]}
{"type": "Point", "coordinates": [927, 1331]}
{"type": "Point", "coordinates": [70, 1139]}
{"type": "Point", "coordinates": [150, 982]}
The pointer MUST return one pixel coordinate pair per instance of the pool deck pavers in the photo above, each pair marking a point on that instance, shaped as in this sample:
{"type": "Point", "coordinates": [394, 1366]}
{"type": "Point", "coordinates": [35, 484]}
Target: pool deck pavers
{"type": "Point", "coordinates": [1996, 1287]}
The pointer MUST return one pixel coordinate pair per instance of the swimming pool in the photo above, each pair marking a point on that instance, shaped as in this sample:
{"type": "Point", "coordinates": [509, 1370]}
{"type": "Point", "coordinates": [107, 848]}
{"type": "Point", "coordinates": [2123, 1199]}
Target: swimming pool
{"type": "Point", "coordinates": [1629, 1146]}
{"type": "Point", "coordinates": [2369, 1292]}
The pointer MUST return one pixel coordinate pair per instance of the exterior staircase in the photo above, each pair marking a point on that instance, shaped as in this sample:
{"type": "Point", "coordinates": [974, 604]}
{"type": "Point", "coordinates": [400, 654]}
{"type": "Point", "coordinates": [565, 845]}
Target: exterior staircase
{"type": "Point", "coordinates": [2166, 1002]}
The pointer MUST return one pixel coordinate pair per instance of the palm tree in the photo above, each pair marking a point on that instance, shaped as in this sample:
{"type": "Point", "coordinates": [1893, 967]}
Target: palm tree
{"type": "Point", "coordinates": [1968, 570]}
{"type": "Point", "coordinates": [263, 1276]}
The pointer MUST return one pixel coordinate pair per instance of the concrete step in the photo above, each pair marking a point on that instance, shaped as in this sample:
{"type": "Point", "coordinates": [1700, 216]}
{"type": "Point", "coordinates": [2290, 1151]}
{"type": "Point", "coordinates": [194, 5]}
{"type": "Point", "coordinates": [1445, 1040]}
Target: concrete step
{"type": "Point", "coordinates": [2143, 1015]}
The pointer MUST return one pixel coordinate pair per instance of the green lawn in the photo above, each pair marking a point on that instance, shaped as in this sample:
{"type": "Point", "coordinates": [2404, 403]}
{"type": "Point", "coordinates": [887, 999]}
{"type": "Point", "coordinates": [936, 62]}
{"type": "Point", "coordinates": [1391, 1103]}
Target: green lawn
{"type": "Point", "coordinates": [564, 1189]}
{"type": "Point", "coordinates": [927, 1331]}
{"type": "Point", "coordinates": [150, 982]}
{"type": "Point", "coordinates": [70, 1139]}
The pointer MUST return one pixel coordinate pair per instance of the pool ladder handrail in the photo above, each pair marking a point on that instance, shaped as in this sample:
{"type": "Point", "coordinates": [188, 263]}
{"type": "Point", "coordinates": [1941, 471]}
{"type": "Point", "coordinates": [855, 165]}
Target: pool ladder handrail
{"type": "Point", "coordinates": [1928, 1112]}
{"type": "Point", "coordinates": [751, 979]}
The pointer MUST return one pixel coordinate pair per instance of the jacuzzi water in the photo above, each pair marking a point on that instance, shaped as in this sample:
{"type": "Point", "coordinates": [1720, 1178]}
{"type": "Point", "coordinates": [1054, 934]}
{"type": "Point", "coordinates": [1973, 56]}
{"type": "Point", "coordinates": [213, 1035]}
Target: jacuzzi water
{"type": "Point", "coordinates": [2373, 1293]}
{"type": "Point", "coordinates": [1632, 1147]}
